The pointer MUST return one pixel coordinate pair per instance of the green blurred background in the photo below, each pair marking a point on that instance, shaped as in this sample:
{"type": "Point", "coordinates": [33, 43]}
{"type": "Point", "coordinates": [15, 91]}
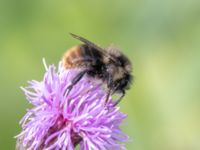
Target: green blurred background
{"type": "Point", "coordinates": [162, 39]}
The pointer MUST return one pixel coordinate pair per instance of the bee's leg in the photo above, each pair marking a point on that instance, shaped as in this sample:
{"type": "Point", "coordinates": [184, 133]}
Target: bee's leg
{"type": "Point", "coordinates": [74, 81]}
{"type": "Point", "coordinates": [107, 96]}
{"type": "Point", "coordinates": [117, 102]}
{"type": "Point", "coordinates": [109, 83]}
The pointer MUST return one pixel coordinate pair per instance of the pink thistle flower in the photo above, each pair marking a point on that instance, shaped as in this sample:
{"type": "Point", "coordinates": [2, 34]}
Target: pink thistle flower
{"type": "Point", "coordinates": [60, 122]}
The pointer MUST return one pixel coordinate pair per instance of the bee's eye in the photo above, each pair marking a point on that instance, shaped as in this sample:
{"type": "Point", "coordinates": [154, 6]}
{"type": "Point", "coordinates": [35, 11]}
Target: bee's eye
{"type": "Point", "coordinates": [119, 63]}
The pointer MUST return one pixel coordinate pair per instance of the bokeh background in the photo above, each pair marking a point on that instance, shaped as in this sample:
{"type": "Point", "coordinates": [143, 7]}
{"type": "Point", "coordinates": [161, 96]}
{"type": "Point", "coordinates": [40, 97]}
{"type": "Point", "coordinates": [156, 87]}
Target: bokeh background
{"type": "Point", "coordinates": [162, 39]}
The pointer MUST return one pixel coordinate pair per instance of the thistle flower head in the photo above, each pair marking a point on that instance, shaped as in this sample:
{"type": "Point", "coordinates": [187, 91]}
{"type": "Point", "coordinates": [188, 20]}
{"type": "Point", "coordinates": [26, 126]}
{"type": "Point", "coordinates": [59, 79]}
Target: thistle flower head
{"type": "Point", "coordinates": [57, 121]}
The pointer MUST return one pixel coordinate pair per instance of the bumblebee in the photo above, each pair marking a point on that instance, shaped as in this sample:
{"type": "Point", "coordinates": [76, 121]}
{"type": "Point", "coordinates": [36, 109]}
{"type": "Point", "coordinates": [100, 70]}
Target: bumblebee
{"type": "Point", "coordinates": [109, 65]}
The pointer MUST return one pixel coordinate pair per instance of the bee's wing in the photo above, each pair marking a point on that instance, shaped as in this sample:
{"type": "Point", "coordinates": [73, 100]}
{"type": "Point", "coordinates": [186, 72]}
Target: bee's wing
{"type": "Point", "coordinates": [91, 44]}
{"type": "Point", "coordinates": [87, 42]}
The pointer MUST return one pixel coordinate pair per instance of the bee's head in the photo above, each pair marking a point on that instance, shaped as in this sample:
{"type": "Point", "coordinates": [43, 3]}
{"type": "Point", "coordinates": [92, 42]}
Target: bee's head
{"type": "Point", "coordinates": [123, 83]}
{"type": "Point", "coordinates": [118, 59]}
{"type": "Point", "coordinates": [119, 68]}
{"type": "Point", "coordinates": [118, 78]}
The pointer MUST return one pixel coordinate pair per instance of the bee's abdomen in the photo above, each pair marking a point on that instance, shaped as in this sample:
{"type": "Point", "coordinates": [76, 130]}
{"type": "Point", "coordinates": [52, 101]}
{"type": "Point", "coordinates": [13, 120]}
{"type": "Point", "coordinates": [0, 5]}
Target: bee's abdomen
{"type": "Point", "coordinates": [81, 56]}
